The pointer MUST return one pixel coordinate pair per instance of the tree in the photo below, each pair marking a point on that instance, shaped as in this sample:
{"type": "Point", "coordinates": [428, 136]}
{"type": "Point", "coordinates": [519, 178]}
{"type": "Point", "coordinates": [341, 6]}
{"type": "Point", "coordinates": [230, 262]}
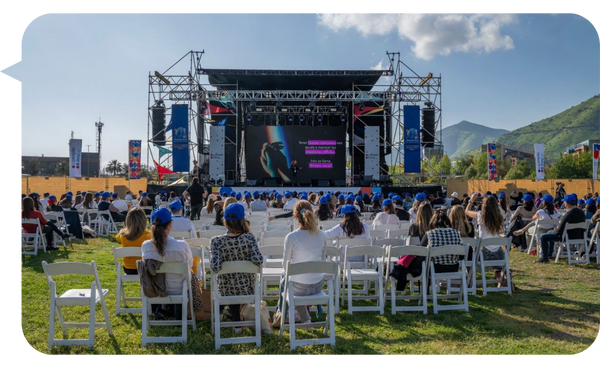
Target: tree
{"type": "Point", "coordinates": [572, 167]}
{"type": "Point", "coordinates": [33, 166]}
{"type": "Point", "coordinates": [61, 168]}
{"type": "Point", "coordinates": [523, 170]}
{"type": "Point", "coordinates": [445, 165]}
{"type": "Point", "coordinates": [113, 167]}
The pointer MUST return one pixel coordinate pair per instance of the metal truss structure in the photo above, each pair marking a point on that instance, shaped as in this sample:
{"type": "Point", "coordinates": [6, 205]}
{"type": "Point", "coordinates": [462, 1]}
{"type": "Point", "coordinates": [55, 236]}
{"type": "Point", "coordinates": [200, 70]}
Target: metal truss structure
{"type": "Point", "coordinates": [404, 87]}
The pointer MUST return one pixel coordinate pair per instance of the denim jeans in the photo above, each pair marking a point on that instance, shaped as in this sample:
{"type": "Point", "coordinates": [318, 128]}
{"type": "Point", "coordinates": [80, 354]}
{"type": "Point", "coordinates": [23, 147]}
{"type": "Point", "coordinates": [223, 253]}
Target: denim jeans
{"type": "Point", "coordinates": [547, 241]}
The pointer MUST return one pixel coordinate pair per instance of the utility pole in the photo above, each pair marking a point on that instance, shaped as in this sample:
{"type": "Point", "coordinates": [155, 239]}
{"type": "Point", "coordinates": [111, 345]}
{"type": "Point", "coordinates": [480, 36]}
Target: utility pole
{"type": "Point", "coordinates": [88, 160]}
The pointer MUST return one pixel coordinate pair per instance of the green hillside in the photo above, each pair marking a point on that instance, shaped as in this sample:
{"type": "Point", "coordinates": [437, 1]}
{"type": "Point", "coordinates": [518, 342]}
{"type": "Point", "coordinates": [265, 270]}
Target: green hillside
{"type": "Point", "coordinates": [466, 136]}
{"type": "Point", "coordinates": [572, 126]}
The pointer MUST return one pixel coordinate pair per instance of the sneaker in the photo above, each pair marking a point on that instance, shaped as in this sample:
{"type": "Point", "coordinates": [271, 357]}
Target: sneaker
{"type": "Point", "coordinates": [519, 232]}
{"type": "Point", "coordinates": [541, 260]}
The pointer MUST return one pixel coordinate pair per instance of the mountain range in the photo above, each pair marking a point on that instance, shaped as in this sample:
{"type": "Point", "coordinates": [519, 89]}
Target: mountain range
{"type": "Point", "coordinates": [572, 126]}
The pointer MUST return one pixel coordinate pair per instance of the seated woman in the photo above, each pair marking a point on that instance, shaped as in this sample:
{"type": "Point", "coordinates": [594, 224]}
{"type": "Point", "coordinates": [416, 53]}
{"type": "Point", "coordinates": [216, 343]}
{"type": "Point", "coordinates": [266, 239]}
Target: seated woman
{"type": "Point", "coordinates": [526, 211]}
{"type": "Point", "coordinates": [88, 203]}
{"type": "Point", "coordinates": [53, 206]}
{"type": "Point", "coordinates": [546, 212]}
{"type": "Point", "coordinates": [422, 224]}
{"type": "Point", "coordinates": [459, 222]}
{"type": "Point", "coordinates": [590, 208]}
{"type": "Point", "coordinates": [67, 202]}
{"type": "Point", "coordinates": [305, 244]}
{"type": "Point", "coordinates": [163, 247]}
{"type": "Point", "coordinates": [324, 212]}
{"type": "Point", "coordinates": [351, 227]}
{"type": "Point", "coordinates": [133, 235]}
{"type": "Point", "coordinates": [239, 244]}
{"type": "Point", "coordinates": [209, 209]}
{"type": "Point", "coordinates": [387, 214]}
{"type": "Point", "coordinates": [490, 224]}
{"type": "Point", "coordinates": [220, 209]}
{"type": "Point", "coordinates": [48, 228]}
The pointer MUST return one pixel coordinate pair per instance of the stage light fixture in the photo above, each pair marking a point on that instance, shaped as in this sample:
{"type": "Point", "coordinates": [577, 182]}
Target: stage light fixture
{"type": "Point", "coordinates": [291, 118]}
{"type": "Point", "coordinates": [279, 106]}
{"type": "Point", "coordinates": [311, 106]}
{"type": "Point", "coordinates": [252, 106]}
{"type": "Point", "coordinates": [162, 78]}
{"type": "Point", "coordinates": [322, 95]}
{"type": "Point", "coordinates": [319, 118]}
{"type": "Point", "coordinates": [249, 119]}
{"type": "Point", "coordinates": [361, 107]}
{"type": "Point", "coordinates": [343, 118]}
{"type": "Point", "coordinates": [301, 119]}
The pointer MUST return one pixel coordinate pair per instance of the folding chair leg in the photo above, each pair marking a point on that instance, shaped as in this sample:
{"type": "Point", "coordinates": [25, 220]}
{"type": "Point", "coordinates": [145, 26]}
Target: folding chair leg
{"type": "Point", "coordinates": [106, 319]}
{"type": "Point", "coordinates": [291, 309]}
{"type": "Point", "coordinates": [52, 323]}
{"type": "Point", "coordinates": [92, 330]}
{"type": "Point", "coordinates": [61, 320]}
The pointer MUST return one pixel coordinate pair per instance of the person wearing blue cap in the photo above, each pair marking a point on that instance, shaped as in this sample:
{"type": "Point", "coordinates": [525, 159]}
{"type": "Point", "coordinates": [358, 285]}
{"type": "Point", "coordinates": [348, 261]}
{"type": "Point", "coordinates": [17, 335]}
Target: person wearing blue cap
{"type": "Point", "coordinates": [53, 205]}
{"type": "Point", "coordinates": [341, 201]}
{"type": "Point", "coordinates": [573, 215]}
{"type": "Point", "coordinates": [258, 204]}
{"type": "Point", "coordinates": [399, 210]}
{"type": "Point", "coordinates": [104, 205]}
{"type": "Point", "coordinates": [408, 201]}
{"type": "Point", "coordinates": [119, 203]}
{"type": "Point", "coordinates": [164, 248]}
{"type": "Point", "coordinates": [239, 197]}
{"type": "Point", "coordinates": [350, 227]}
{"type": "Point", "coordinates": [387, 215]}
{"type": "Point", "coordinates": [358, 202]}
{"type": "Point", "coordinates": [590, 208]}
{"type": "Point", "coordinates": [376, 203]}
{"type": "Point", "coordinates": [238, 244]}
{"type": "Point", "coordinates": [44, 200]}
{"type": "Point", "coordinates": [66, 202]}
{"type": "Point", "coordinates": [367, 198]}
{"type": "Point", "coordinates": [581, 203]}
{"type": "Point", "coordinates": [526, 211]}
{"type": "Point", "coordinates": [277, 202]}
{"type": "Point", "coordinates": [546, 212]}
{"type": "Point", "coordinates": [419, 198]}
{"type": "Point", "coordinates": [324, 212]}
{"type": "Point", "coordinates": [87, 203]}
{"type": "Point", "coordinates": [290, 201]}
{"type": "Point", "coordinates": [180, 223]}
{"type": "Point", "coordinates": [305, 244]}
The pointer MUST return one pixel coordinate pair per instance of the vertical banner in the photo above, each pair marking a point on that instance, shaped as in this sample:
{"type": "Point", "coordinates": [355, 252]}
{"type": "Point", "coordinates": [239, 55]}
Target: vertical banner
{"type": "Point", "coordinates": [179, 126]}
{"type": "Point", "coordinates": [596, 156]}
{"type": "Point", "coordinates": [75, 158]}
{"type": "Point", "coordinates": [217, 152]}
{"type": "Point", "coordinates": [135, 159]}
{"type": "Point", "coordinates": [412, 139]}
{"type": "Point", "coordinates": [372, 151]}
{"type": "Point", "coordinates": [539, 161]}
{"type": "Point", "coordinates": [491, 161]}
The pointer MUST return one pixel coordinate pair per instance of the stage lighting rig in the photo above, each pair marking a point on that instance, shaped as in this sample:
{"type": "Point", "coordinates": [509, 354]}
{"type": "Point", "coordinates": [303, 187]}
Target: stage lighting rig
{"type": "Point", "coordinates": [311, 106]}
{"type": "Point", "coordinates": [162, 78]}
{"type": "Point", "coordinates": [279, 106]}
{"type": "Point", "coordinates": [361, 107]}
{"type": "Point", "coordinates": [319, 118]}
{"type": "Point", "coordinates": [291, 118]}
{"type": "Point", "coordinates": [343, 118]}
{"type": "Point", "coordinates": [301, 119]}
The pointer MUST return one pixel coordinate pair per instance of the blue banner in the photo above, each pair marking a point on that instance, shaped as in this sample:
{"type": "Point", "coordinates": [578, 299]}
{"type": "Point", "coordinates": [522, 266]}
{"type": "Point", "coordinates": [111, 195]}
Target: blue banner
{"type": "Point", "coordinates": [412, 139]}
{"type": "Point", "coordinates": [179, 125]}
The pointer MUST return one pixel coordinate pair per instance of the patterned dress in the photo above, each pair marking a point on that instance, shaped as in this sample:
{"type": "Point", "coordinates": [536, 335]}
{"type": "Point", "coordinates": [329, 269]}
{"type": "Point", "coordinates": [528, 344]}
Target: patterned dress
{"type": "Point", "coordinates": [243, 247]}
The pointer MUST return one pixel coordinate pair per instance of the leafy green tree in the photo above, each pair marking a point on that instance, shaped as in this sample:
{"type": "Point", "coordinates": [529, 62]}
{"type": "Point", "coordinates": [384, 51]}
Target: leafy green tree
{"type": "Point", "coordinates": [523, 170]}
{"type": "Point", "coordinates": [572, 167]}
{"type": "Point", "coordinates": [61, 168]}
{"type": "Point", "coordinates": [445, 165]}
{"type": "Point", "coordinates": [113, 167]}
{"type": "Point", "coordinates": [33, 166]}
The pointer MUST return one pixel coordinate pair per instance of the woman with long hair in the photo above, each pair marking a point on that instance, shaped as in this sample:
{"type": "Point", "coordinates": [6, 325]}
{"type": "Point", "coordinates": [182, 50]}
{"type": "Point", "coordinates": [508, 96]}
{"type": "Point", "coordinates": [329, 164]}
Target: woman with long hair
{"type": "Point", "coordinates": [133, 234]}
{"type": "Point", "coordinates": [376, 202]}
{"type": "Point", "coordinates": [503, 204]}
{"type": "Point", "coordinates": [350, 227]}
{"type": "Point", "coordinates": [78, 200]}
{"type": "Point", "coordinates": [387, 214]}
{"type": "Point", "coordinates": [358, 201]}
{"type": "Point", "coordinates": [422, 224]}
{"type": "Point", "coordinates": [312, 198]}
{"type": "Point", "coordinates": [209, 208]}
{"type": "Point", "coordinates": [277, 202]}
{"type": "Point", "coordinates": [164, 248]}
{"type": "Point", "coordinates": [220, 210]}
{"type": "Point", "coordinates": [459, 222]}
{"type": "Point", "coordinates": [419, 198]}
{"type": "Point", "coordinates": [590, 208]}
{"type": "Point", "coordinates": [324, 212]}
{"type": "Point", "coordinates": [48, 228]}
{"type": "Point", "coordinates": [239, 244]}
{"type": "Point", "coordinates": [87, 203]}
{"type": "Point", "coordinates": [526, 211]}
{"type": "Point", "coordinates": [305, 244]}
{"type": "Point", "coordinates": [546, 212]}
{"type": "Point", "coordinates": [490, 224]}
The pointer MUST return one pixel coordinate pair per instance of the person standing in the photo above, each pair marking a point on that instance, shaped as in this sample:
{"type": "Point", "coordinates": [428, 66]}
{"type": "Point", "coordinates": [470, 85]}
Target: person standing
{"type": "Point", "coordinates": [294, 168]}
{"type": "Point", "coordinates": [196, 195]}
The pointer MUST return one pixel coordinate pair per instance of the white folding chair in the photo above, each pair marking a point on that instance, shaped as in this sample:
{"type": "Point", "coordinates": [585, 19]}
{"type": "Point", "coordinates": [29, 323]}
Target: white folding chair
{"type": "Point", "coordinates": [32, 240]}
{"type": "Point", "coordinates": [218, 300]}
{"type": "Point", "coordinates": [366, 275]}
{"type": "Point", "coordinates": [59, 220]}
{"type": "Point", "coordinates": [105, 224]}
{"type": "Point", "coordinates": [274, 234]}
{"type": "Point", "coordinates": [412, 240]}
{"type": "Point", "coordinates": [211, 233]}
{"type": "Point", "coordinates": [123, 278]}
{"type": "Point", "coordinates": [408, 250]}
{"type": "Point", "coordinates": [463, 298]}
{"type": "Point", "coordinates": [202, 267]}
{"type": "Point", "coordinates": [378, 234]}
{"type": "Point", "coordinates": [575, 250]}
{"type": "Point", "coordinates": [404, 224]}
{"type": "Point", "coordinates": [75, 297]}
{"type": "Point", "coordinates": [88, 216]}
{"type": "Point", "coordinates": [397, 233]}
{"type": "Point", "coordinates": [595, 243]}
{"type": "Point", "coordinates": [272, 271]}
{"type": "Point", "coordinates": [276, 227]}
{"type": "Point", "coordinates": [334, 254]}
{"type": "Point", "coordinates": [320, 298]}
{"type": "Point", "coordinates": [503, 263]}
{"type": "Point", "coordinates": [182, 235]}
{"type": "Point", "coordinates": [475, 245]}
{"type": "Point", "coordinates": [536, 233]}
{"type": "Point", "coordinates": [183, 298]}
{"type": "Point", "coordinates": [272, 241]}
{"type": "Point", "coordinates": [147, 208]}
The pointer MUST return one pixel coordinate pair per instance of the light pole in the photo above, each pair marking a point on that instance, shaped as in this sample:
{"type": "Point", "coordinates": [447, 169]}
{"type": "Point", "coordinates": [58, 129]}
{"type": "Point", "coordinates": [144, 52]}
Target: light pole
{"type": "Point", "coordinates": [88, 160]}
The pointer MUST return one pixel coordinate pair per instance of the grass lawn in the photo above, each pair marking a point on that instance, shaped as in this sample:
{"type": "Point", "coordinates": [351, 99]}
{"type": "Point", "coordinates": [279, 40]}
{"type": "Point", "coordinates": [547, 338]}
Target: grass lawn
{"type": "Point", "coordinates": [556, 310]}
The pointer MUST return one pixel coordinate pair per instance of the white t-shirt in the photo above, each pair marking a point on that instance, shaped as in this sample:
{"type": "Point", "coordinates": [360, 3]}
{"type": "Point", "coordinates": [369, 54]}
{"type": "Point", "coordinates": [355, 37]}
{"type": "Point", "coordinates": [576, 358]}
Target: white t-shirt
{"type": "Point", "coordinates": [338, 232]}
{"type": "Point", "coordinates": [543, 215]}
{"type": "Point", "coordinates": [93, 205]}
{"type": "Point", "coordinates": [289, 205]}
{"type": "Point", "coordinates": [204, 212]}
{"type": "Point", "coordinates": [304, 246]}
{"type": "Point", "coordinates": [258, 205]}
{"type": "Point", "coordinates": [483, 234]}
{"type": "Point", "coordinates": [383, 218]}
{"type": "Point", "coordinates": [183, 224]}
{"type": "Point", "coordinates": [175, 251]}
{"type": "Point", "coordinates": [120, 204]}
{"type": "Point", "coordinates": [413, 215]}
{"type": "Point", "coordinates": [244, 204]}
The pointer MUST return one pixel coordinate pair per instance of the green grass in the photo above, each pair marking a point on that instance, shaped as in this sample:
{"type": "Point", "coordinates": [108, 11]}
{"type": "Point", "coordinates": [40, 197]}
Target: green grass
{"type": "Point", "coordinates": [556, 310]}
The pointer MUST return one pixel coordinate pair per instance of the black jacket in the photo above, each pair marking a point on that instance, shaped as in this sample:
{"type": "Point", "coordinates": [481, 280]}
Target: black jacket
{"type": "Point", "coordinates": [573, 216]}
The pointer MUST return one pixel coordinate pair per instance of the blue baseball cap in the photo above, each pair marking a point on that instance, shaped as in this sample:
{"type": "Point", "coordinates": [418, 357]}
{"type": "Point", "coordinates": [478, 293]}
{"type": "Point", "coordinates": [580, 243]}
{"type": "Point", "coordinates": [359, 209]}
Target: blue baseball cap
{"type": "Point", "coordinates": [348, 208]}
{"type": "Point", "coordinates": [255, 193]}
{"type": "Point", "coordinates": [420, 197]}
{"type": "Point", "coordinates": [238, 195]}
{"type": "Point", "coordinates": [341, 197]}
{"type": "Point", "coordinates": [359, 199]}
{"type": "Point", "coordinates": [163, 198]}
{"type": "Point", "coordinates": [323, 200]}
{"type": "Point", "coordinates": [570, 199]}
{"type": "Point", "coordinates": [161, 216]}
{"type": "Point", "coordinates": [175, 206]}
{"type": "Point", "coordinates": [365, 194]}
{"type": "Point", "coordinates": [70, 193]}
{"type": "Point", "coordinates": [350, 198]}
{"type": "Point", "coordinates": [115, 195]}
{"type": "Point", "coordinates": [590, 202]}
{"type": "Point", "coordinates": [144, 194]}
{"type": "Point", "coordinates": [390, 195]}
{"type": "Point", "coordinates": [328, 196]}
{"type": "Point", "coordinates": [501, 195]}
{"type": "Point", "coordinates": [548, 198]}
{"type": "Point", "coordinates": [224, 191]}
{"type": "Point", "coordinates": [581, 201]}
{"type": "Point", "coordinates": [287, 194]}
{"type": "Point", "coordinates": [232, 193]}
{"type": "Point", "coordinates": [528, 197]}
{"type": "Point", "coordinates": [247, 195]}
{"type": "Point", "coordinates": [97, 194]}
{"type": "Point", "coordinates": [83, 193]}
{"type": "Point", "coordinates": [396, 198]}
{"type": "Point", "coordinates": [278, 196]}
{"type": "Point", "coordinates": [304, 197]}
{"type": "Point", "coordinates": [52, 197]}
{"type": "Point", "coordinates": [386, 202]}
{"type": "Point", "coordinates": [234, 212]}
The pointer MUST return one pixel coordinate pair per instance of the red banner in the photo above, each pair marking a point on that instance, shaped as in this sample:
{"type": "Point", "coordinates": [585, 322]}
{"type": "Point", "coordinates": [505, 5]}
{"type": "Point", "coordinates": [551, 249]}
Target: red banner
{"type": "Point", "coordinates": [135, 159]}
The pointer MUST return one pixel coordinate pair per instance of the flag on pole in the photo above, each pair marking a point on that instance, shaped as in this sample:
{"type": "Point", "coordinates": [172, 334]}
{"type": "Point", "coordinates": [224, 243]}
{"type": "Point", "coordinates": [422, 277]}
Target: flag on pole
{"type": "Point", "coordinates": [596, 156]}
{"type": "Point", "coordinates": [539, 161]}
{"type": "Point", "coordinates": [491, 161]}
{"type": "Point", "coordinates": [162, 151]}
{"type": "Point", "coordinates": [162, 170]}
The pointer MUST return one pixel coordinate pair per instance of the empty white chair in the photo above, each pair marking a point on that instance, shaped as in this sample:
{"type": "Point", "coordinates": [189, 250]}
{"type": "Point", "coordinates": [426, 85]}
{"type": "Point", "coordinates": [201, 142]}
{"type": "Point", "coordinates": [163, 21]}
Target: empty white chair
{"type": "Point", "coordinates": [274, 234]}
{"type": "Point", "coordinates": [82, 297]}
{"type": "Point", "coordinates": [595, 242]}
{"type": "Point", "coordinates": [397, 253]}
{"type": "Point", "coordinates": [334, 254]}
{"type": "Point", "coordinates": [575, 250]}
{"type": "Point", "coordinates": [475, 245]}
{"type": "Point", "coordinates": [321, 298]}
{"type": "Point", "coordinates": [500, 263]}
{"type": "Point", "coordinates": [272, 241]}
{"type": "Point", "coordinates": [463, 298]}
{"type": "Point", "coordinates": [364, 274]}
{"type": "Point", "coordinates": [211, 233]}
{"type": "Point", "coordinates": [397, 233]}
{"type": "Point", "coordinates": [123, 278]}
{"type": "Point", "coordinates": [378, 234]}
{"type": "Point", "coordinates": [183, 298]}
{"type": "Point", "coordinates": [218, 300]}
{"type": "Point", "coordinates": [272, 271]}
{"type": "Point", "coordinates": [32, 241]}
{"type": "Point", "coordinates": [182, 235]}
{"type": "Point", "coordinates": [386, 227]}
{"type": "Point", "coordinates": [203, 265]}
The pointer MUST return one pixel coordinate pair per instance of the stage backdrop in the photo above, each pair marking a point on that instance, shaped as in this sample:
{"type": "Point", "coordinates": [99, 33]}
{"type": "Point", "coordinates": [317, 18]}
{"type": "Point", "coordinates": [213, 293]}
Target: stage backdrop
{"type": "Point", "coordinates": [320, 152]}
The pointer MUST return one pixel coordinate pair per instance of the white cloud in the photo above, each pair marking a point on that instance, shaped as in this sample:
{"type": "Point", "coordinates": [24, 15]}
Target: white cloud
{"type": "Point", "coordinates": [431, 34]}
{"type": "Point", "coordinates": [378, 66]}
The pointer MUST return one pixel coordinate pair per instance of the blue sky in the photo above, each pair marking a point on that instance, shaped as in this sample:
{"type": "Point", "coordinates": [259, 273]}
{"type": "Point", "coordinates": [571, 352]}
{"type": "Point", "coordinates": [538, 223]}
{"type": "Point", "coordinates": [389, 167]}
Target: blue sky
{"type": "Point", "coordinates": [500, 71]}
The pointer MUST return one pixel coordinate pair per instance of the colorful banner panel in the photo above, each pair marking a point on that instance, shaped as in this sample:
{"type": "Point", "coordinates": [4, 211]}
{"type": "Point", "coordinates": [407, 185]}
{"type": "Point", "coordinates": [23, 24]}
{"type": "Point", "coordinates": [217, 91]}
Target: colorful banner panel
{"type": "Point", "coordinates": [372, 152]}
{"type": "Point", "coordinates": [492, 155]}
{"type": "Point", "coordinates": [75, 158]}
{"type": "Point", "coordinates": [596, 156]}
{"type": "Point", "coordinates": [539, 161]}
{"type": "Point", "coordinates": [217, 153]}
{"type": "Point", "coordinates": [135, 159]}
{"type": "Point", "coordinates": [412, 139]}
{"type": "Point", "coordinates": [179, 125]}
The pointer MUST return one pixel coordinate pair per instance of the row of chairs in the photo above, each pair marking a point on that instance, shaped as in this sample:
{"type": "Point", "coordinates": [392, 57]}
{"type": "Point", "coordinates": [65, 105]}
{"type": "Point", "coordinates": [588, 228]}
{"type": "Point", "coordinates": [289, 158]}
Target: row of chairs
{"type": "Point", "coordinates": [574, 250]}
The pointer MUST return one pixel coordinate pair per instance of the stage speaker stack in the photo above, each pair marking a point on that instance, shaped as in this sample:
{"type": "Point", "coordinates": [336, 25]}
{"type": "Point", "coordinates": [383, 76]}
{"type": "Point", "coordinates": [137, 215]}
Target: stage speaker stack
{"type": "Point", "coordinates": [323, 183]}
{"type": "Point", "coordinates": [251, 183]}
{"type": "Point", "coordinates": [428, 126]}
{"type": "Point", "coordinates": [158, 125]}
{"type": "Point", "coordinates": [229, 183]}
{"type": "Point", "coordinates": [339, 183]}
{"type": "Point", "coordinates": [270, 182]}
